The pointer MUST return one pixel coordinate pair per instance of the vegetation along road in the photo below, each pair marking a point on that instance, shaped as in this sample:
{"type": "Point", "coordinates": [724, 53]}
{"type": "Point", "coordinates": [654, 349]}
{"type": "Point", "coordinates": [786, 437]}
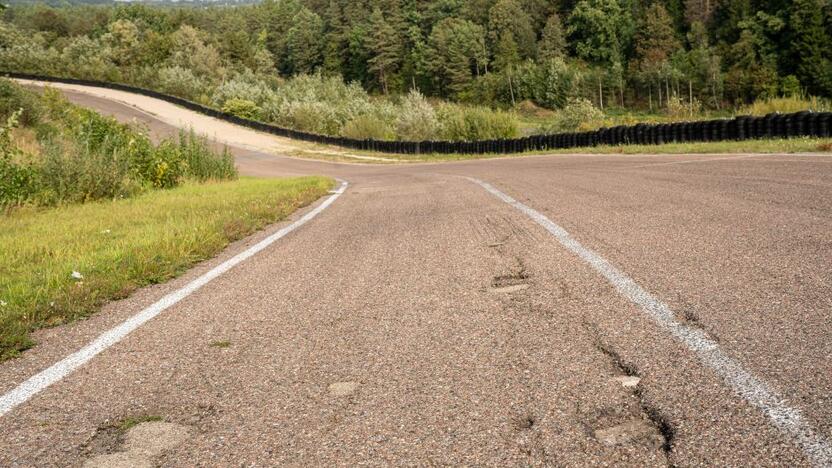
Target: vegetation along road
{"type": "Point", "coordinates": [548, 310]}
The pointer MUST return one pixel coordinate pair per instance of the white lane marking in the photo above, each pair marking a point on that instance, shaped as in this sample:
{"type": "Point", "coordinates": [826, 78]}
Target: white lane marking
{"type": "Point", "coordinates": [757, 392]}
{"type": "Point", "coordinates": [66, 366]}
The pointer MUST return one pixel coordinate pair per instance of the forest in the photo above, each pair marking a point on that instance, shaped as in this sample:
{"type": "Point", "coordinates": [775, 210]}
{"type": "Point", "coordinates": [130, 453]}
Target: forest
{"type": "Point", "coordinates": [454, 69]}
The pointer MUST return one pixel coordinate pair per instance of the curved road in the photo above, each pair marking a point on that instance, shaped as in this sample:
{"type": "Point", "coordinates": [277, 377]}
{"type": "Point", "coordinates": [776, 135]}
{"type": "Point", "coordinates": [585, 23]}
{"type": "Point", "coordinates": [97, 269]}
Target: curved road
{"type": "Point", "coordinates": [556, 310]}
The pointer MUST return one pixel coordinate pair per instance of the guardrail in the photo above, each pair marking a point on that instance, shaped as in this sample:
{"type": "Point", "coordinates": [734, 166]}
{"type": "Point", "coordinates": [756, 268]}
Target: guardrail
{"type": "Point", "coordinates": [800, 124]}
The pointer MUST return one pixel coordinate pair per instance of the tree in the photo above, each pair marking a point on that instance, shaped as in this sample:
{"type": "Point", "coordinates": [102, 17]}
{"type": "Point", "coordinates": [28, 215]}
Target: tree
{"type": "Point", "coordinates": [508, 16]}
{"type": "Point", "coordinates": [189, 51]}
{"type": "Point", "coordinates": [753, 69]}
{"type": "Point", "coordinates": [335, 45]}
{"type": "Point", "coordinates": [809, 44]}
{"type": "Point", "coordinates": [385, 49]}
{"type": "Point", "coordinates": [505, 53]}
{"type": "Point", "coordinates": [278, 18]}
{"type": "Point", "coordinates": [304, 42]}
{"type": "Point", "coordinates": [552, 43]}
{"type": "Point", "coordinates": [456, 52]}
{"type": "Point", "coordinates": [600, 31]}
{"type": "Point", "coordinates": [655, 42]}
{"type": "Point", "coordinates": [699, 10]}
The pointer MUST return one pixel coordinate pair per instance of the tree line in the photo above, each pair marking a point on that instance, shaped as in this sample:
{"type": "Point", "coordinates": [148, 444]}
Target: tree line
{"type": "Point", "coordinates": [629, 53]}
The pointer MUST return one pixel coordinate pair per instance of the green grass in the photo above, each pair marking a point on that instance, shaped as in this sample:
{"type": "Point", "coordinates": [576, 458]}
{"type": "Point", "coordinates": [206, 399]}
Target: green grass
{"type": "Point", "coordinates": [119, 246]}
{"type": "Point", "coordinates": [129, 423]}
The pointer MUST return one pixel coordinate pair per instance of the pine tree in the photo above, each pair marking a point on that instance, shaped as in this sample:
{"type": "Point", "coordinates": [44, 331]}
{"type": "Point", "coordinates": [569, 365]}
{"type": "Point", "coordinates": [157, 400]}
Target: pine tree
{"type": "Point", "coordinates": [456, 47]}
{"type": "Point", "coordinates": [506, 54]}
{"type": "Point", "coordinates": [507, 16]}
{"type": "Point", "coordinates": [552, 43]}
{"type": "Point", "coordinates": [810, 44]}
{"type": "Point", "coordinates": [384, 48]}
{"type": "Point", "coordinates": [304, 41]}
{"type": "Point", "coordinates": [335, 45]}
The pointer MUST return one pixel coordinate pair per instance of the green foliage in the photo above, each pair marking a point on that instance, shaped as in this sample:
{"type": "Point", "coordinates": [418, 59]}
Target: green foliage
{"type": "Point", "coordinates": [455, 48]}
{"type": "Point", "coordinates": [368, 127]}
{"type": "Point", "coordinates": [510, 31]}
{"type": "Point", "coordinates": [601, 30]}
{"type": "Point", "coordinates": [14, 100]}
{"type": "Point", "coordinates": [786, 105]}
{"type": "Point", "coordinates": [417, 119]}
{"type": "Point", "coordinates": [460, 123]}
{"type": "Point", "coordinates": [16, 179]}
{"type": "Point", "coordinates": [385, 47]}
{"type": "Point", "coordinates": [242, 108]}
{"type": "Point", "coordinates": [553, 41]}
{"type": "Point", "coordinates": [623, 53]}
{"type": "Point", "coordinates": [304, 42]}
{"type": "Point", "coordinates": [83, 156]}
{"type": "Point", "coordinates": [578, 115]}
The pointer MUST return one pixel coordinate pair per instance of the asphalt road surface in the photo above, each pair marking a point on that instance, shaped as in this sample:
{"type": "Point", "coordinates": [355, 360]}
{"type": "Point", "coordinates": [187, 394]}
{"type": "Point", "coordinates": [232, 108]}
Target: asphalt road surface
{"type": "Point", "coordinates": [554, 310]}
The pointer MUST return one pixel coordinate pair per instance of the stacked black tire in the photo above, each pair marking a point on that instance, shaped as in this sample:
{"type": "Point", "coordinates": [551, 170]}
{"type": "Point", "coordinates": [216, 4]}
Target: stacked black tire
{"type": "Point", "coordinates": [800, 124]}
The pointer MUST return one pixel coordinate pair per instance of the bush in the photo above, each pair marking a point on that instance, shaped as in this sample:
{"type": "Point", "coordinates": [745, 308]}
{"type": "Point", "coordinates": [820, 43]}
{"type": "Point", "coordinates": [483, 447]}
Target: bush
{"type": "Point", "coordinates": [244, 86]}
{"type": "Point", "coordinates": [202, 163]}
{"type": "Point", "coordinates": [417, 119]}
{"type": "Point", "coordinates": [460, 123]}
{"type": "Point", "coordinates": [786, 105]}
{"type": "Point", "coordinates": [578, 115]}
{"type": "Point", "coordinates": [242, 108]}
{"type": "Point", "coordinates": [679, 109]}
{"type": "Point", "coordinates": [15, 100]}
{"type": "Point", "coordinates": [180, 82]}
{"type": "Point", "coordinates": [78, 173]}
{"type": "Point", "coordinates": [16, 180]}
{"type": "Point", "coordinates": [366, 127]}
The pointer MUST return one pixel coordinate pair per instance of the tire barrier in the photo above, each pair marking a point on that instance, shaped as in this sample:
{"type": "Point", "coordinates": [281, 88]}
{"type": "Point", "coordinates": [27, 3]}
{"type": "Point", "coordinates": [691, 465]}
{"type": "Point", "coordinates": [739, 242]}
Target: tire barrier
{"type": "Point", "coordinates": [800, 124]}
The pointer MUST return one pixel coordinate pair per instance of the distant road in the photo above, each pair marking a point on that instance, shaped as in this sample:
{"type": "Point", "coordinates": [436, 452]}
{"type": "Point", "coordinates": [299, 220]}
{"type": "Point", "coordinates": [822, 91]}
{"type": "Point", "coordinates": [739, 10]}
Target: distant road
{"type": "Point", "coordinates": [551, 310]}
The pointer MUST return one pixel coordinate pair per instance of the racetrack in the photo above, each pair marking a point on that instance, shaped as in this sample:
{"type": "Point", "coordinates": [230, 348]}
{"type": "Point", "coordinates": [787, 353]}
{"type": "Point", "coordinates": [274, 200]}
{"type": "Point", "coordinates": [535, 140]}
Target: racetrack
{"type": "Point", "coordinates": [480, 312]}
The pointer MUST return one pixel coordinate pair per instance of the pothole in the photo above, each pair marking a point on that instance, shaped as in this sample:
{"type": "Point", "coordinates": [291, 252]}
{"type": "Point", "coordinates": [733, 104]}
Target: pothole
{"type": "Point", "coordinates": [341, 389]}
{"type": "Point", "coordinates": [508, 289]}
{"type": "Point", "coordinates": [151, 439]}
{"type": "Point", "coordinates": [636, 430]}
{"type": "Point", "coordinates": [627, 381]}
{"type": "Point", "coordinates": [525, 422]}
{"type": "Point", "coordinates": [137, 447]}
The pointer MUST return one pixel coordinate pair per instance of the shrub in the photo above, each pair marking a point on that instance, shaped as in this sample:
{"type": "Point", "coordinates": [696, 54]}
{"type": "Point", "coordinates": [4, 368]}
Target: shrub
{"type": "Point", "coordinates": [77, 173]}
{"type": "Point", "coordinates": [460, 123]}
{"type": "Point", "coordinates": [15, 100]}
{"type": "Point", "coordinates": [417, 119]}
{"type": "Point", "coordinates": [786, 105]}
{"type": "Point", "coordinates": [679, 109]}
{"type": "Point", "coordinates": [579, 114]}
{"type": "Point", "coordinates": [366, 127]}
{"type": "Point", "coordinates": [16, 180]}
{"type": "Point", "coordinates": [180, 82]}
{"type": "Point", "coordinates": [203, 163]}
{"type": "Point", "coordinates": [242, 108]}
{"type": "Point", "coordinates": [245, 86]}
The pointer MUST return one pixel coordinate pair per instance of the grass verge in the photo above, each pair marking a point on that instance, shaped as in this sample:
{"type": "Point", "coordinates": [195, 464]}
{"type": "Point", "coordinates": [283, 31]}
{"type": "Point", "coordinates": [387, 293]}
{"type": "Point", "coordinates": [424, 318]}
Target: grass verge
{"type": "Point", "coordinates": [119, 246]}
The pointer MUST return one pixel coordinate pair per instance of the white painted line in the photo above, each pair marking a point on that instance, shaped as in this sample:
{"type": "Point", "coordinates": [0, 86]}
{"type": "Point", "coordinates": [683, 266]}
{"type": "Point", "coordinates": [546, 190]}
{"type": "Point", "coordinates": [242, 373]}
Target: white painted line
{"type": "Point", "coordinates": [66, 366]}
{"type": "Point", "coordinates": [757, 392]}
